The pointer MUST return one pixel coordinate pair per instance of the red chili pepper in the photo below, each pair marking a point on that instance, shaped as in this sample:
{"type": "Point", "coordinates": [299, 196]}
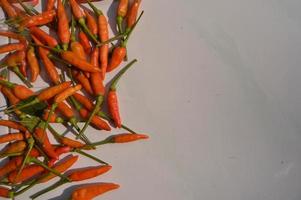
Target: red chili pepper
{"type": "Point", "coordinates": [43, 36]}
{"type": "Point", "coordinates": [112, 96]}
{"type": "Point", "coordinates": [15, 36]}
{"type": "Point", "coordinates": [84, 41]}
{"type": "Point", "coordinates": [12, 124]}
{"type": "Point", "coordinates": [27, 173]}
{"type": "Point", "coordinates": [10, 166]}
{"type": "Point", "coordinates": [87, 192]}
{"type": "Point", "coordinates": [38, 20]}
{"type": "Point", "coordinates": [132, 14]}
{"type": "Point", "coordinates": [84, 81]}
{"type": "Point", "coordinates": [127, 137]}
{"type": "Point", "coordinates": [63, 25]}
{"type": "Point", "coordinates": [50, 5]}
{"type": "Point", "coordinates": [33, 64]}
{"type": "Point", "coordinates": [4, 192]}
{"type": "Point", "coordinates": [11, 47]}
{"type": "Point", "coordinates": [19, 91]}
{"type": "Point", "coordinates": [91, 22]}
{"type": "Point", "coordinates": [11, 137]}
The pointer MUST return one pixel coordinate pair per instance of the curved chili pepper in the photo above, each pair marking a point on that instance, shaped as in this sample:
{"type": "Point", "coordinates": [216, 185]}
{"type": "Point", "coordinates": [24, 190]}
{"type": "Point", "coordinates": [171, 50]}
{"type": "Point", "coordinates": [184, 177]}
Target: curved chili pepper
{"type": "Point", "coordinates": [14, 125]}
{"type": "Point", "coordinates": [38, 20]}
{"type": "Point", "coordinates": [8, 9]}
{"type": "Point", "coordinates": [132, 14]}
{"type": "Point", "coordinates": [41, 135]}
{"type": "Point", "coordinates": [84, 81]}
{"type": "Point", "coordinates": [33, 63]}
{"type": "Point", "coordinates": [112, 95]}
{"type": "Point", "coordinates": [63, 25]}
{"type": "Point", "coordinates": [96, 121]}
{"type": "Point", "coordinates": [23, 66]}
{"type": "Point", "coordinates": [11, 47]}
{"type": "Point", "coordinates": [87, 192]}
{"type": "Point", "coordinates": [43, 36]}
{"type": "Point", "coordinates": [14, 147]}
{"type": "Point", "coordinates": [20, 91]}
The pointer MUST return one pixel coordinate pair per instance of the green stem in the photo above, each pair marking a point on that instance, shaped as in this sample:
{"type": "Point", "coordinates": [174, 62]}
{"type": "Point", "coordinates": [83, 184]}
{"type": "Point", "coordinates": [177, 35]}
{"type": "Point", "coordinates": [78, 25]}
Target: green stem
{"type": "Point", "coordinates": [38, 162]}
{"type": "Point", "coordinates": [117, 37]}
{"type": "Point", "coordinates": [75, 103]}
{"type": "Point", "coordinates": [90, 156]}
{"type": "Point", "coordinates": [99, 101]}
{"type": "Point", "coordinates": [52, 187]}
{"type": "Point", "coordinates": [105, 141]}
{"type": "Point", "coordinates": [95, 10]}
{"type": "Point", "coordinates": [26, 9]}
{"type": "Point", "coordinates": [52, 109]}
{"type": "Point", "coordinates": [31, 184]}
{"type": "Point", "coordinates": [82, 22]}
{"type": "Point", "coordinates": [73, 39]}
{"type": "Point", "coordinates": [16, 107]}
{"type": "Point", "coordinates": [56, 50]}
{"type": "Point", "coordinates": [119, 75]}
{"type": "Point", "coordinates": [7, 84]}
{"type": "Point", "coordinates": [119, 20]}
{"type": "Point", "coordinates": [20, 75]}
{"type": "Point", "coordinates": [53, 57]}
{"type": "Point", "coordinates": [130, 31]}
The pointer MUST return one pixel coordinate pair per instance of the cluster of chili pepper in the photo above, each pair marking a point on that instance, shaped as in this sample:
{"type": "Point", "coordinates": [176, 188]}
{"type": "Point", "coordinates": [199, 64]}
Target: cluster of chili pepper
{"type": "Point", "coordinates": [85, 52]}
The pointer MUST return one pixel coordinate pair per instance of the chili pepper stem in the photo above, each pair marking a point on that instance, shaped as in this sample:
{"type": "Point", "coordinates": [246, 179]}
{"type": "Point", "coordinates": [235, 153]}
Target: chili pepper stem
{"type": "Point", "coordinates": [65, 46]}
{"type": "Point", "coordinates": [90, 156]}
{"type": "Point", "coordinates": [26, 9]}
{"type": "Point", "coordinates": [99, 101]}
{"type": "Point", "coordinates": [105, 141]}
{"type": "Point", "coordinates": [119, 20]}
{"type": "Point", "coordinates": [130, 31]}
{"type": "Point", "coordinates": [26, 158]}
{"type": "Point", "coordinates": [53, 57]}
{"type": "Point", "coordinates": [81, 21]}
{"type": "Point", "coordinates": [38, 162]}
{"type": "Point", "coordinates": [7, 83]}
{"type": "Point", "coordinates": [117, 37]}
{"type": "Point", "coordinates": [16, 107]}
{"type": "Point", "coordinates": [52, 187]}
{"type": "Point", "coordinates": [57, 50]}
{"type": "Point", "coordinates": [31, 184]}
{"type": "Point", "coordinates": [20, 75]}
{"type": "Point", "coordinates": [96, 11]}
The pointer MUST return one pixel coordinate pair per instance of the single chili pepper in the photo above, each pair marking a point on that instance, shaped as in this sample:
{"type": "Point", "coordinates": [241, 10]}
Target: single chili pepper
{"type": "Point", "coordinates": [48, 64]}
{"type": "Point", "coordinates": [41, 135]}
{"type": "Point", "coordinates": [13, 148]}
{"type": "Point", "coordinates": [15, 36]}
{"type": "Point", "coordinates": [4, 192]}
{"type": "Point", "coordinates": [112, 95]}
{"type": "Point", "coordinates": [119, 53]}
{"type": "Point", "coordinates": [87, 192]}
{"type": "Point", "coordinates": [121, 13]}
{"type": "Point", "coordinates": [33, 63]}
{"type": "Point", "coordinates": [8, 9]}
{"type": "Point", "coordinates": [11, 97]}
{"type": "Point", "coordinates": [11, 137]}
{"type": "Point", "coordinates": [88, 104]}
{"type": "Point", "coordinates": [44, 37]}
{"type": "Point", "coordinates": [60, 167]}
{"type": "Point", "coordinates": [44, 95]}
{"type": "Point", "coordinates": [91, 22]}
{"type": "Point", "coordinates": [12, 124]}
{"type": "Point", "coordinates": [19, 91]}
{"type": "Point", "coordinates": [84, 81]}
{"type": "Point", "coordinates": [132, 14]}
{"type": "Point", "coordinates": [10, 166]}
{"type": "Point", "coordinates": [60, 98]}
{"type": "Point", "coordinates": [84, 41]}
{"type": "Point", "coordinates": [80, 17]}
{"type": "Point", "coordinates": [75, 46]}
{"type": "Point", "coordinates": [71, 143]}
{"type": "Point", "coordinates": [63, 25]}
{"type": "Point", "coordinates": [38, 20]}
{"type": "Point", "coordinates": [121, 138]}
{"type": "Point", "coordinates": [50, 5]}
{"type": "Point", "coordinates": [11, 47]}
{"type": "Point", "coordinates": [28, 172]}
{"type": "Point", "coordinates": [59, 150]}
{"type": "Point", "coordinates": [66, 111]}
{"type": "Point", "coordinates": [78, 175]}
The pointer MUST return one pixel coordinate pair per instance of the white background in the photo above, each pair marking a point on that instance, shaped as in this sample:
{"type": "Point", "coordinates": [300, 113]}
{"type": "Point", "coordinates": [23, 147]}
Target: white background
{"type": "Point", "coordinates": [217, 88]}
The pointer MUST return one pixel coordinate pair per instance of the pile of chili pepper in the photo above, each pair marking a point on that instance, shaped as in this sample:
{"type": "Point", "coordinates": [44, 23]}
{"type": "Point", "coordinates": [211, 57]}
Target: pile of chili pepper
{"type": "Point", "coordinates": [76, 58]}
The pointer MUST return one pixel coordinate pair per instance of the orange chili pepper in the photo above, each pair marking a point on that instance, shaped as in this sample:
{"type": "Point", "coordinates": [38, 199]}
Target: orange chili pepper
{"type": "Point", "coordinates": [8, 9]}
{"type": "Point", "coordinates": [65, 110]}
{"type": "Point", "coordinates": [127, 137]}
{"type": "Point", "coordinates": [122, 8]}
{"type": "Point", "coordinates": [15, 36]}
{"type": "Point", "coordinates": [60, 167]}
{"type": "Point", "coordinates": [71, 143]}
{"type": "Point", "coordinates": [10, 166]}
{"type": "Point", "coordinates": [84, 41]}
{"type": "Point", "coordinates": [10, 96]}
{"type": "Point", "coordinates": [84, 81]}
{"type": "Point", "coordinates": [89, 172]}
{"type": "Point", "coordinates": [27, 173]}
{"type": "Point", "coordinates": [14, 147]}
{"type": "Point", "coordinates": [11, 47]}
{"type": "Point", "coordinates": [118, 55]}
{"type": "Point", "coordinates": [12, 124]}
{"type": "Point", "coordinates": [103, 56]}
{"type": "Point", "coordinates": [87, 192]}
{"type": "Point", "coordinates": [91, 22]}
{"type": "Point", "coordinates": [52, 91]}
{"type": "Point", "coordinates": [23, 66]}
{"type": "Point", "coordinates": [43, 36]}
{"type": "Point", "coordinates": [63, 25]}
{"type": "Point", "coordinates": [132, 14]}
{"type": "Point", "coordinates": [96, 121]}
{"type": "Point", "coordinates": [19, 91]}
{"type": "Point", "coordinates": [75, 46]}
{"type": "Point", "coordinates": [112, 96]}
{"type": "Point", "coordinates": [4, 192]}
{"type": "Point", "coordinates": [41, 135]}
{"type": "Point", "coordinates": [11, 137]}
{"type": "Point", "coordinates": [53, 117]}
{"type": "Point", "coordinates": [33, 64]}
{"type": "Point", "coordinates": [38, 20]}
{"type": "Point", "coordinates": [50, 5]}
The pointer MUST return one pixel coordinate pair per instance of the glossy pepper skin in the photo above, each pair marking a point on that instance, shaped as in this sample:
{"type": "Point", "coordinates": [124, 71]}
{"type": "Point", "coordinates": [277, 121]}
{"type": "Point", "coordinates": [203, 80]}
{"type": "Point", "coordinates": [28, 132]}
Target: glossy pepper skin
{"type": "Point", "coordinates": [38, 20]}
